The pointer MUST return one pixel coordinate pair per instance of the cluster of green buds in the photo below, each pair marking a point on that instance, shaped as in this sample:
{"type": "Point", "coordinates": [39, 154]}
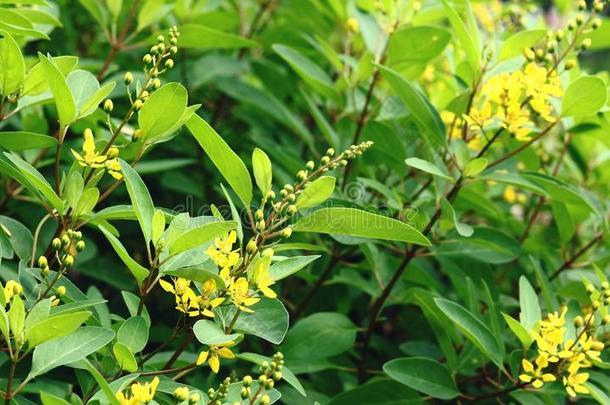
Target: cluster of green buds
{"type": "Point", "coordinates": [216, 397]}
{"type": "Point", "coordinates": [559, 43]}
{"type": "Point", "coordinates": [600, 298]}
{"type": "Point", "coordinates": [65, 248]}
{"type": "Point", "coordinates": [182, 395]}
{"type": "Point", "coordinates": [270, 373]}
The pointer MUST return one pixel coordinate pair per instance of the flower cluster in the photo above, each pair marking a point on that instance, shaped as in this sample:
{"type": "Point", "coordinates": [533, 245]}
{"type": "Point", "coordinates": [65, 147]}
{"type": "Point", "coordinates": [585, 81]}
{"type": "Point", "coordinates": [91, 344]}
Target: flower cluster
{"type": "Point", "coordinates": [141, 393]}
{"type": "Point", "coordinates": [91, 158]}
{"type": "Point", "coordinates": [270, 373]}
{"type": "Point", "coordinates": [562, 357]}
{"type": "Point", "coordinates": [511, 196]}
{"type": "Point", "coordinates": [214, 353]}
{"type": "Point", "coordinates": [188, 302]}
{"type": "Point", "coordinates": [513, 99]}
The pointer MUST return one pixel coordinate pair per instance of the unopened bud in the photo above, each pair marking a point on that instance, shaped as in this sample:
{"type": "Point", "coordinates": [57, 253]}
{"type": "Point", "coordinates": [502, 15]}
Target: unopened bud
{"type": "Point", "coordinates": [113, 152]}
{"type": "Point", "coordinates": [194, 398]}
{"type": "Point", "coordinates": [570, 64]}
{"type": "Point", "coordinates": [325, 160]}
{"type": "Point", "coordinates": [169, 63]}
{"type": "Point", "coordinates": [292, 209]}
{"type": "Point", "coordinates": [259, 214]}
{"type": "Point", "coordinates": [267, 252]}
{"type": "Point", "coordinates": [44, 272]}
{"type": "Point", "coordinates": [147, 58]}
{"type": "Point", "coordinates": [56, 243]}
{"type": "Point", "coordinates": [80, 245]}
{"type": "Point", "coordinates": [310, 165]}
{"type": "Point", "coordinates": [301, 175]}
{"type": "Point", "coordinates": [156, 83]}
{"type": "Point", "coordinates": [277, 375]}
{"type": "Point", "coordinates": [529, 54]}
{"type": "Point", "coordinates": [181, 393]}
{"type": "Point", "coordinates": [251, 246]}
{"type": "Point", "coordinates": [586, 44]}
{"type": "Point", "coordinates": [580, 19]}
{"type": "Point", "coordinates": [128, 78]}
{"type": "Point", "coordinates": [65, 240]}
{"type": "Point", "coordinates": [596, 23]}
{"type": "Point", "coordinates": [247, 381]}
{"type": "Point", "coordinates": [606, 320]}
{"type": "Point", "coordinates": [173, 50]}
{"type": "Point", "coordinates": [286, 233]}
{"type": "Point", "coordinates": [161, 38]}
{"type": "Point", "coordinates": [61, 291]}
{"type": "Point", "coordinates": [244, 393]}
{"type": "Point", "coordinates": [42, 262]}
{"type": "Point", "coordinates": [68, 260]}
{"type": "Point", "coordinates": [590, 288]}
{"type": "Point", "coordinates": [265, 400]}
{"type": "Point", "coordinates": [330, 152]}
{"type": "Point", "coordinates": [578, 321]}
{"type": "Point", "coordinates": [270, 195]}
{"type": "Point", "coordinates": [599, 6]}
{"type": "Point", "coordinates": [260, 225]}
{"type": "Point", "coordinates": [108, 105]}
{"type": "Point", "coordinates": [137, 134]}
{"type": "Point", "coordinates": [582, 5]}
{"type": "Point", "coordinates": [137, 104]}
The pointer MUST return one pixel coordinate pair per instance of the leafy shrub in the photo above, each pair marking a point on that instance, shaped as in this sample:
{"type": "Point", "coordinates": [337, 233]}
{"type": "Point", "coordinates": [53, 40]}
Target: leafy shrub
{"type": "Point", "coordinates": [302, 202]}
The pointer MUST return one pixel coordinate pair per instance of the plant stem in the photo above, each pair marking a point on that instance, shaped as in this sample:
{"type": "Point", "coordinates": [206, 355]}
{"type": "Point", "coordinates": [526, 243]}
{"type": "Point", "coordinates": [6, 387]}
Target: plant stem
{"type": "Point", "coordinates": [9, 384]}
{"type": "Point", "coordinates": [568, 263]}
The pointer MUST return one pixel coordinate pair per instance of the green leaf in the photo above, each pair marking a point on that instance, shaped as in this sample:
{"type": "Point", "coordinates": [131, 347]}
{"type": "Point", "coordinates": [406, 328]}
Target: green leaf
{"type": "Point", "coordinates": [428, 167]}
{"type": "Point", "coordinates": [83, 86]}
{"type": "Point", "coordinates": [36, 181]}
{"type": "Point", "coordinates": [316, 192]}
{"type": "Point", "coordinates": [12, 65]}
{"type": "Point", "coordinates": [124, 357]}
{"type": "Point", "coordinates": [584, 96]}
{"type": "Point", "coordinates": [48, 399]}
{"type": "Point", "coordinates": [16, 318]}
{"type": "Point", "coordinates": [466, 38]}
{"type": "Point", "coordinates": [422, 112]}
{"type": "Point", "coordinates": [289, 266]}
{"type": "Point", "coordinates": [598, 394]}
{"type": "Point", "coordinates": [202, 37]}
{"type": "Point", "coordinates": [417, 44]}
{"type": "Point", "coordinates": [311, 73]}
{"type": "Point", "coordinates": [4, 325]}
{"type": "Point", "coordinates": [448, 212]}
{"type": "Point", "coordinates": [226, 161]}
{"type": "Point", "coordinates": [354, 222]}
{"type": "Point", "coordinates": [475, 330]}
{"type": "Point", "coordinates": [151, 12]}
{"type": "Point", "coordinates": [101, 381]}
{"type": "Point", "coordinates": [200, 235]}
{"type": "Point", "coordinates": [133, 333]}
{"type": "Point", "coordinates": [319, 336]}
{"type": "Point", "coordinates": [69, 349]}
{"type": "Point", "coordinates": [475, 167]}
{"type": "Point", "coordinates": [516, 43]}
{"type": "Point", "coordinates": [261, 166]}
{"type": "Point", "coordinates": [36, 83]}
{"type": "Point", "coordinates": [530, 313]}
{"type": "Point", "coordinates": [158, 226]}
{"type": "Point", "coordinates": [55, 326]}
{"type": "Point", "coordinates": [89, 105]}
{"type": "Point", "coordinates": [378, 392]}
{"type": "Point", "coordinates": [140, 199]}
{"type": "Point", "coordinates": [424, 375]}
{"type": "Point", "coordinates": [140, 273]}
{"type": "Point", "coordinates": [519, 331]}
{"type": "Point", "coordinates": [287, 375]}
{"type": "Point", "coordinates": [208, 333]}
{"type": "Point", "coordinates": [23, 140]}
{"type": "Point", "coordinates": [564, 221]}
{"type": "Point", "coordinates": [64, 100]}
{"type": "Point", "coordinates": [162, 110]}
{"type": "Point", "coordinates": [269, 320]}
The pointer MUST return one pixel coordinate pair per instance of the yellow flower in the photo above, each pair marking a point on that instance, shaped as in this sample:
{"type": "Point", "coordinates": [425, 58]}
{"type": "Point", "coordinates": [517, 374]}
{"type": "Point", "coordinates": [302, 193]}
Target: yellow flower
{"type": "Point", "coordinates": [240, 295]}
{"type": "Point", "coordinates": [214, 354]}
{"type": "Point", "coordinates": [535, 376]}
{"type": "Point", "coordinates": [90, 157]}
{"type": "Point", "coordinates": [183, 292]}
{"type": "Point", "coordinates": [222, 255]}
{"type": "Point", "coordinates": [574, 383]}
{"type": "Point", "coordinates": [140, 393]}
{"type": "Point", "coordinates": [114, 168]}
{"type": "Point", "coordinates": [204, 304]}
{"type": "Point", "coordinates": [11, 289]}
{"type": "Point", "coordinates": [261, 277]}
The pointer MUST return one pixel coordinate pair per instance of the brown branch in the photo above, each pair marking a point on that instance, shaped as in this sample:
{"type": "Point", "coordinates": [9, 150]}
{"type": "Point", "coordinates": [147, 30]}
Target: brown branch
{"type": "Point", "coordinates": [568, 263]}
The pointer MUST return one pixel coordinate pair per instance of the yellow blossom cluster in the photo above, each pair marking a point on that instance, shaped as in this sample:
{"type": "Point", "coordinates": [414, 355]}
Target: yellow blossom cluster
{"type": "Point", "coordinates": [93, 159]}
{"type": "Point", "coordinates": [11, 289]}
{"type": "Point", "coordinates": [562, 357]}
{"type": "Point", "coordinates": [511, 196]}
{"type": "Point", "coordinates": [188, 302]}
{"type": "Point", "coordinates": [513, 99]}
{"type": "Point", "coordinates": [214, 353]}
{"type": "Point", "coordinates": [141, 393]}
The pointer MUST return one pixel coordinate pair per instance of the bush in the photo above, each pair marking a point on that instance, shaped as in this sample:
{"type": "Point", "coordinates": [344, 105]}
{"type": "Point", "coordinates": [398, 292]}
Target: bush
{"type": "Point", "coordinates": [303, 202]}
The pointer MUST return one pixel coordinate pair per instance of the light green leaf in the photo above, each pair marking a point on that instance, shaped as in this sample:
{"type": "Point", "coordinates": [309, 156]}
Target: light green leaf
{"type": "Point", "coordinates": [311, 73]}
{"type": "Point", "coordinates": [355, 222]}
{"type": "Point", "coordinates": [585, 96]}
{"type": "Point", "coordinates": [316, 192]}
{"type": "Point", "coordinates": [424, 375]}
{"type": "Point", "coordinates": [422, 112]}
{"type": "Point", "coordinates": [158, 226]}
{"type": "Point", "coordinates": [48, 399]}
{"type": "Point", "coordinates": [133, 333]}
{"type": "Point", "coordinates": [23, 140]}
{"type": "Point", "coordinates": [269, 320]}
{"type": "Point", "coordinates": [598, 394]}
{"type": "Point", "coordinates": [516, 43]}
{"type": "Point", "coordinates": [64, 100]}
{"type": "Point", "coordinates": [90, 105]}
{"type": "Point", "coordinates": [475, 330]}
{"type": "Point", "coordinates": [83, 86]}
{"type": "Point", "coordinates": [36, 83]}
{"type": "Point", "coordinates": [226, 161]}
{"type": "Point", "coordinates": [417, 44]}
{"type": "Point", "coordinates": [140, 273]}
{"type": "Point", "coordinates": [16, 318]}
{"type": "Point", "coordinates": [202, 37]}
{"type": "Point", "coordinates": [448, 212]}
{"type": "Point", "coordinates": [124, 357]}
{"type": "Point", "coordinates": [289, 266]}
{"type": "Point", "coordinates": [475, 167]}
{"type": "Point", "coordinates": [55, 326]}
{"type": "Point", "coordinates": [466, 38]}
{"type": "Point", "coordinates": [12, 65]}
{"type": "Point", "coordinates": [208, 333]}
{"type": "Point", "coordinates": [519, 331]}
{"type": "Point", "coordinates": [140, 199]}
{"type": "Point", "coordinates": [68, 349]}
{"type": "Point", "coordinates": [200, 235]}
{"type": "Point", "coordinates": [428, 167]}
{"type": "Point", "coordinates": [162, 110]}
{"type": "Point", "coordinates": [530, 313]}
{"type": "Point", "coordinates": [261, 166]}
{"type": "Point", "coordinates": [151, 12]}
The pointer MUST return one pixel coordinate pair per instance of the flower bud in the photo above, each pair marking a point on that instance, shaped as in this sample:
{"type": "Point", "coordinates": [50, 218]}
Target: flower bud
{"type": "Point", "coordinates": [529, 54]}
{"type": "Point", "coordinates": [147, 58]}
{"type": "Point", "coordinates": [597, 346]}
{"type": "Point", "coordinates": [260, 225]}
{"type": "Point", "coordinates": [56, 243]}
{"type": "Point", "coordinates": [270, 195]}
{"type": "Point", "coordinates": [68, 260]}
{"type": "Point", "coordinates": [325, 160]}
{"type": "Point", "coordinates": [108, 105]}
{"type": "Point", "coordinates": [289, 188]}
{"type": "Point", "coordinates": [586, 44]}
{"type": "Point", "coordinates": [578, 321]}
{"type": "Point", "coordinates": [156, 83]}
{"type": "Point", "coordinates": [286, 233]}
{"type": "Point", "coordinates": [277, 375]}
{"type": "Point", "coordinates": [181, 393]}
{"type": "Point", "coordinates": [582, 5]}
{"type": "Point", "coordinates": [269, 384]}
{"type": "Point", "coordinates": [194, 398]}
{"type": "Point", "coordinates": [113, 152]}
{"type": "Point", "coordinates": [42, 262]}
{"type": "Point", "coordinates": [291, 197]}
{"type": "Point", "coordinates": [606, 320]}
{"type": "Point", "coordinates": [310, 165]}
{"type": "Point", "coordinates": [44, 272]}
{"type": "Point", "coordinates": [259, 214]}
{"type": "Point", "coordinates": [599, 6]}
{"type": "Point", "coordinates": [605, 285]}
{"type": "Point", "coordinates": [161, 38]}
{"type": "Point", "coordinates": [247, 381]}
{"type": "Point", "coordinates": [559, 35]}
{"type": "Point", "coordinates": [596, 23]}
{"type": "Point", "coordinates": [154, 50]}
{"type": "Point", "coordinates": [137, 134]}
{"type": "Point", "coordinates": [267, 252]}
{"type": "Point", "coordinates": [570, 64]}
{"type": "Point", "coordinates": [262, 379]}
{"type": "Point", "coordinates": [352, 24]}
{"type": "Point", "coordinates": [251, 246]}
{"type": "Point", "coordinates": [61, 291]}
{"type": "Point", "coordinates": [169, 63]}
{"type": "Point", "coordinates": [292, 209]}
{"type": "Point", "coordinates": [244, 393]}
{"type": "Point", "coordinates": [590, 288]}
{"type": "Point", "coordinates": [301, 175]}
{"type": "Point", "coordinates": [265, 400]}
{"type": "Point", "coordinates": [330, 152]}
{"type": "Point", "coordinates": [65, 240]}
{"type": "Point", "coordinates": [173, 50]}
{"type": "Point", "coordinates": [580, 19]}
{"type": "Point", "coordinates": [80, 245]}
{"type": "Point", "coordinates": [137, 104]}
{"type": "Point", "coordinates": [128, 78]}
